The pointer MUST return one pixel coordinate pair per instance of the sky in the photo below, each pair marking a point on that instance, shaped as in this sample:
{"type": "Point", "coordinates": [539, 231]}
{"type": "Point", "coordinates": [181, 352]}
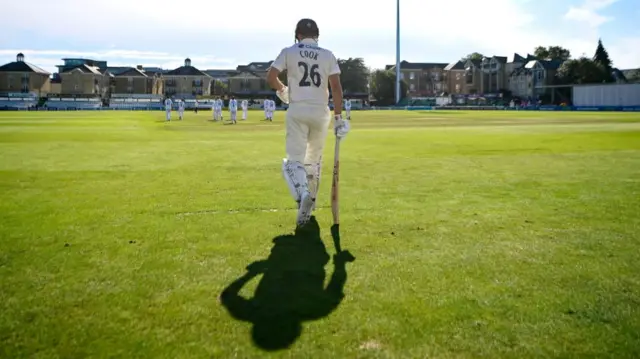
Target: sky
{"type": "Point", "coordinates": [217, 34]}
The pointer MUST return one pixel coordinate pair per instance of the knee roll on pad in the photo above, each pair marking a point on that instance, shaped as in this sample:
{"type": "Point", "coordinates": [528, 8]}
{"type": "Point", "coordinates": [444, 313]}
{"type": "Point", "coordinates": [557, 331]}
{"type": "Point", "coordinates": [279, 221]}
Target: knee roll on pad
{"type": "Point", "coordinates": [313, 176]}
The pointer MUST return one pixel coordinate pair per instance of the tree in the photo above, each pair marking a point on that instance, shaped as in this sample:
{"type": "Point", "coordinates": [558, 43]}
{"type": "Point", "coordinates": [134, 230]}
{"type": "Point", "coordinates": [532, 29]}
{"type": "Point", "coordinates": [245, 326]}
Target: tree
{"type": "Point", "coordinates": [601, 57]}
{"type": "Point", "coordinates": [557, 53]}
{"type": "Point", "coordinates": [383, 87]}
{"type": "Point", "coordinates": [541, 52]}
{"type": "Point", "coordinates": [473, 56]}
{"type": "Point", "coordinates": [354, 75]}
{"type": "Point", "coordinates": [581, 71]}
{"type": "Point", "coordinates": [218, 87]}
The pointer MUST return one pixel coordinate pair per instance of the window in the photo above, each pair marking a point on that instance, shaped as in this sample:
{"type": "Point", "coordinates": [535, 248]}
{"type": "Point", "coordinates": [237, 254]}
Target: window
{"type": "Point", "coordinates": [130, 80]}
{"type": "Point", "coordinates": [70, 63]}
{"type": "Point", "coordinates": [457, 88]}
{"type": "Point", "coordinates": [412, 75]}
{"type": "Point", "coordinates": [457, 77]}
{"type": "Point", "coordinates": [469, 78]}
{"type": "Point", "coordinates": [412, 87]}
{"type": "Point", "coordinates": [401, 75]}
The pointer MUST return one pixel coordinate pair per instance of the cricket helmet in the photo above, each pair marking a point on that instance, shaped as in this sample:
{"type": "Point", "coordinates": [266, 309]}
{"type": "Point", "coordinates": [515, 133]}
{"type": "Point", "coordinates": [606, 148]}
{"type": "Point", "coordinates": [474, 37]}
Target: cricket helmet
{"type": "Point", "coordinates": [307, 28]}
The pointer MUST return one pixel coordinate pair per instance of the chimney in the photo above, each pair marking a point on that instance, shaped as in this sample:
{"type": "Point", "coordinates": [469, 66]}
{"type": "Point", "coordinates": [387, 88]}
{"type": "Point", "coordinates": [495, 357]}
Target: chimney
{"type": "Point", "coordinates": [139, 67]}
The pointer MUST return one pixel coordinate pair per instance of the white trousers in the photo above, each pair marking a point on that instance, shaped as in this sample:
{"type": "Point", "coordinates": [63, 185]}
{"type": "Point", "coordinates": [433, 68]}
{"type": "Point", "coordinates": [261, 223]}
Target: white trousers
{"type": "Point", "coordinates": [306, 132]}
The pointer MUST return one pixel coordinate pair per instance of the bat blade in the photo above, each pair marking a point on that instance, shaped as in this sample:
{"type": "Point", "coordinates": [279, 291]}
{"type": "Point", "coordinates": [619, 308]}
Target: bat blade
{"type": "Point", "coordinates": [335, 184]}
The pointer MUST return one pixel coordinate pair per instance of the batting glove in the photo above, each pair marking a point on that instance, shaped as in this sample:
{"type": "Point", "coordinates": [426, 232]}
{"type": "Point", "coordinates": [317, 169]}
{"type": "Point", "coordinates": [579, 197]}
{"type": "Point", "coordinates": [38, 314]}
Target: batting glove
{"type": "Point", "coordinates": [341, 127]}
{"type": "Point", "coordinates": [283, 95]}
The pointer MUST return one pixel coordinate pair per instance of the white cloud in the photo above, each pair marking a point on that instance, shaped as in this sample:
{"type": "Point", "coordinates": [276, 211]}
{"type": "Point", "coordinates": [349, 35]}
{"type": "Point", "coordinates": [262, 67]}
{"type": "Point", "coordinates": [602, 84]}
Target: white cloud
{"type": "Point", "coordinates": [587, 12]}
{"type": "Point", "coordinates": [588, 16]}
{"type": "Point", "coordinates": [625, 54]}
{"type": "Point", "coordinates": [222, 35]}
{"type": "Point", "coordinates": [623, 50]}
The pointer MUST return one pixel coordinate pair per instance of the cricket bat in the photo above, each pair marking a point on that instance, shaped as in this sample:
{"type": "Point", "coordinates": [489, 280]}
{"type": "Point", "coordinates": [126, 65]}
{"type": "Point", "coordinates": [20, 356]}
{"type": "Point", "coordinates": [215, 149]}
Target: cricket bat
{"type": "Point", "coordinates": [335, 184]}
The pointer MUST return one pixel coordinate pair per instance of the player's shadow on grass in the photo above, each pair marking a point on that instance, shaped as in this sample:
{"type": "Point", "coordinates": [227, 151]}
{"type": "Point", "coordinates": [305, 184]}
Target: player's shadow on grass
{"type": "Point", "coordinates": [291, 290]}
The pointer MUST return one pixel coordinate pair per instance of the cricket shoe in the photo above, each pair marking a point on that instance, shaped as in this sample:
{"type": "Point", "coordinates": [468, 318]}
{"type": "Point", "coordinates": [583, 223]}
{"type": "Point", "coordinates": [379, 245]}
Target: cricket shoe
{"type": "Point", "coordinates": [305, 209]}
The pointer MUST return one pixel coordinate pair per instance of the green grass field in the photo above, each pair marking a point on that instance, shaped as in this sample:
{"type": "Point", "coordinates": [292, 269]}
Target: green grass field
{"type": "Point", "coordinates": [476, 235]}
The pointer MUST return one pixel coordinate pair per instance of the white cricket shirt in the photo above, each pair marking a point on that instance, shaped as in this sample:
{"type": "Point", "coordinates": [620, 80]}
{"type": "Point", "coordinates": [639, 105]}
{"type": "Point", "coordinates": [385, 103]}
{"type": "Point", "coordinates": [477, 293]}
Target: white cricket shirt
{"type": "Point", "coordinates": [308, 69]}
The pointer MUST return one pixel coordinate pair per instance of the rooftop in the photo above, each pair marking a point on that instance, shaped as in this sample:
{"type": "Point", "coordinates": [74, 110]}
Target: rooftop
{"type": "Point", "coordinates": [186, 70]}
{"type": "Point", "coordinates": [255, 66]}
{"type": "Point", "coordinates": [459, 65]}
{"type": "Point", "coordinates": [131, 72]}
{"type": "Point", "coordinates": [85, 69]}
{"type": "Point", "coordinates": [21, 66]}
{"type": "Point", "coordinates": [406, 65]}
